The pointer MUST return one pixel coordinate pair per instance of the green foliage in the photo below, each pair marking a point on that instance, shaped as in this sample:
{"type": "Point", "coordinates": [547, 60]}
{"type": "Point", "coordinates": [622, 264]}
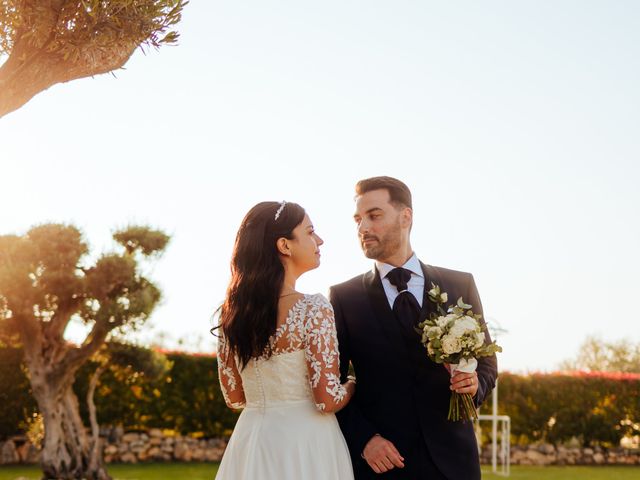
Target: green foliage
{"type": "Point", "coordinates": [126, 359]}
{"type": "Point", "coordinates": [181, 392]}
{"type": "Point", "coordinates": [193, 387]}
{"type": "Point", "coordinates": [62, 40]}
{"type": "Point", "coordinates": [142, 389]}
{"type": "Point", "coordinates": [17, 404]}
{"type": "Point", "coordinates": [142, 239]}
{"type": "Point", "coordinates": [72, 29]}
{"type": "Point", "coordinates": [596, 409]}
{"type": "Point", "coordinates": [42, 277]}
{"type": "Point", "coordinates": [187, 398]}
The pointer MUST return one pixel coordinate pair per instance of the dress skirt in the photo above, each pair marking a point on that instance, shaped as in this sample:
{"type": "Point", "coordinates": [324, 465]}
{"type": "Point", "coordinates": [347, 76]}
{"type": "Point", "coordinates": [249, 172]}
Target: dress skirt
{"type": "Point", "coordinates": [290, 441]}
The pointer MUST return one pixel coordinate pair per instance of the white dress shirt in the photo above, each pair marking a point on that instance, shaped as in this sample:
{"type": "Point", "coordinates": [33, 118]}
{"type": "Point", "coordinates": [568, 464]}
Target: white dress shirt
{"type": "Point", "coordinates": [415, 285]}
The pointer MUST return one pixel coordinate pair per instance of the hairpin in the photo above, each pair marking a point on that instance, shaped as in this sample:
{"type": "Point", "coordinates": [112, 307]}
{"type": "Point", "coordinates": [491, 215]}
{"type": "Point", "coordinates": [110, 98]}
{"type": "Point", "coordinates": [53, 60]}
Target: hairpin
{"type": "Point", "coordinates": [282, 204]}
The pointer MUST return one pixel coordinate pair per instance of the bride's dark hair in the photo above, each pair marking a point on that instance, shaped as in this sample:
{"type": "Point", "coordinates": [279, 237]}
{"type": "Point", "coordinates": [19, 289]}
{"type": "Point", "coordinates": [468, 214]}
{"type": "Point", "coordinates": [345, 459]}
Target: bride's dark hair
{"type": "Point", "coordinates": [248, 316]}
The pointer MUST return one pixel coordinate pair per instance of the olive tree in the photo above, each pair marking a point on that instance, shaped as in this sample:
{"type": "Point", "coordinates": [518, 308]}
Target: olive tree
{"type": "Point", "coordinates": [46, 281]}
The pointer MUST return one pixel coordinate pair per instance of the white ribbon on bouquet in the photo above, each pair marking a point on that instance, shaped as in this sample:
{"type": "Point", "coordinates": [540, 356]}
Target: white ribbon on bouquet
{"type": "Point", "coordinates": [466, 366]}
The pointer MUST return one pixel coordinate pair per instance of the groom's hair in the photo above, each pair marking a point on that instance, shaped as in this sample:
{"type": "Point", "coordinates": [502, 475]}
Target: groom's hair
{"type": "Point", "coordinates": [399, 193]}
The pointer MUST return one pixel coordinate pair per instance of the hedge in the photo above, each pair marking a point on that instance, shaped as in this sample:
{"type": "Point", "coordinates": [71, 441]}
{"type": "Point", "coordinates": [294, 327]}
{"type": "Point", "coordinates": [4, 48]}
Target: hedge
{"type": "Point", "coordinates": [188, 399]}
{"type": "Point", "coordinates": [16, 402]}
{"type": "Point", "coordinates": [595, 408]}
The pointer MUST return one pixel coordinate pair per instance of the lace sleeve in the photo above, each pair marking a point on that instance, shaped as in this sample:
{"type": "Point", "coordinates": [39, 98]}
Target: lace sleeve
{"type": "Point", "coordinates": [230, 380]}
{"type": "Point", "coordinates": [321, 354]}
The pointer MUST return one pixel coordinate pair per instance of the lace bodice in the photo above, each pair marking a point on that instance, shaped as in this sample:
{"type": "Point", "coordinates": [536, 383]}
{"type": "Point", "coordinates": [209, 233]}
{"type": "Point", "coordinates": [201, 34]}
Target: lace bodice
{"type": "Point", "coordinates": [304, 363]}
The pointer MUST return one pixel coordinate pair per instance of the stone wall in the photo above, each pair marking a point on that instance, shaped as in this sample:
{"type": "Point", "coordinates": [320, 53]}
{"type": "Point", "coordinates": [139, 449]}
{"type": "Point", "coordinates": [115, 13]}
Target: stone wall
{"type": "Point", "coordinates": [132, 447]}
{"type": "Point", "coordinates": [547, 454]}
{"type": "Point", "coordinates": [154, 446]}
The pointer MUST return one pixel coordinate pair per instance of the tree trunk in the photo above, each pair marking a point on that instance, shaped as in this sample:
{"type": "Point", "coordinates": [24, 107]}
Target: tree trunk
{"type": "Point", "coordinates": [21, 80]}
{"type": "Point", "coordinates": [66, 453]}
{"type": "Point", "coordinates": [95, 460]}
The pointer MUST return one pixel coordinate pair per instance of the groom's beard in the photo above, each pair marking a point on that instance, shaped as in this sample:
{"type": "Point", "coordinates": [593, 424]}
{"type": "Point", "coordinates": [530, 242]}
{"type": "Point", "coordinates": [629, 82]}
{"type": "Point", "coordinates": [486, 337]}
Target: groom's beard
{"type": "Point", "coordinates": [383, 247]}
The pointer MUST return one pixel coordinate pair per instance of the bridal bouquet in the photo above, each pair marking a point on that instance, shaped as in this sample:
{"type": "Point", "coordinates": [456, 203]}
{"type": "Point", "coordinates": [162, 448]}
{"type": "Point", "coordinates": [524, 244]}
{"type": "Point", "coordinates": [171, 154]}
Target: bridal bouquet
{"type": "Point", "coordinates": [454, 336]}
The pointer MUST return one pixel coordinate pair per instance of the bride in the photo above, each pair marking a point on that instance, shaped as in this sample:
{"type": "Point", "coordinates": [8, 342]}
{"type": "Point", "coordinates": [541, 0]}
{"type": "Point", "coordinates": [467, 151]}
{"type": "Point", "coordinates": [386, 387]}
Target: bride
{"type": "Point", "coordinates": [278, 355]}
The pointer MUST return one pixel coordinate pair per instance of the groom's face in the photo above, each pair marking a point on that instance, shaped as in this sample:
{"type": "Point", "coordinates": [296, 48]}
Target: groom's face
{"type": "Point", "coordinates": [379, 225]}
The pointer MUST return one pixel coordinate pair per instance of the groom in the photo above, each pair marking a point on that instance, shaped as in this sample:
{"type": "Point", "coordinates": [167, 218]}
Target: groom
{"type": "Point", "coordinates": [396, 424]}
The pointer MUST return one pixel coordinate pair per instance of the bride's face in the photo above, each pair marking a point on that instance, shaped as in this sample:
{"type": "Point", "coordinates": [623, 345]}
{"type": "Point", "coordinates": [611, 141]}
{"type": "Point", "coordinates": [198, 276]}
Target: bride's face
{"type": "Point", "coordinates": [305, 246]}
{"type": "Point", "coordinates": [379, 225]}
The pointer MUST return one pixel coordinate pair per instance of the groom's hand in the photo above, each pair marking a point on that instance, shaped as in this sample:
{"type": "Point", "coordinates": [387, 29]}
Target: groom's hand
{"type": "Point", "coordinates": [465, 383]}
{"type": "Point", "coordinates": [381, 455]}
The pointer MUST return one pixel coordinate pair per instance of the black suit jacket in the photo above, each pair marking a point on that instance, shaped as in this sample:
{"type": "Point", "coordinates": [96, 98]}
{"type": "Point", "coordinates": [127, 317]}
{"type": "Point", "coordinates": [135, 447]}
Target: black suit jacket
{"type": "Point", "coordinates": [400, 393]}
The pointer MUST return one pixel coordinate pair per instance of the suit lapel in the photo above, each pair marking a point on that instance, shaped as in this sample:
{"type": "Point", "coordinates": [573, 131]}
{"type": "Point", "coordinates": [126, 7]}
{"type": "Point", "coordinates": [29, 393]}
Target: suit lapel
{"type": "Point", "coordinates": [431, 275]}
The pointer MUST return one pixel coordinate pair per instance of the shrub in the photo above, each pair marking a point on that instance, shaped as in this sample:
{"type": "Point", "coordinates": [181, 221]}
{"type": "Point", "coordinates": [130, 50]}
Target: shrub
{"type": "Point", "coordinates": [596, 408]}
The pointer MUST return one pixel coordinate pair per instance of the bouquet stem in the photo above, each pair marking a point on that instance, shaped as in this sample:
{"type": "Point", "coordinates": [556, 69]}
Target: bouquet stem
{"type": "Point", "coordinates": [461, 407]}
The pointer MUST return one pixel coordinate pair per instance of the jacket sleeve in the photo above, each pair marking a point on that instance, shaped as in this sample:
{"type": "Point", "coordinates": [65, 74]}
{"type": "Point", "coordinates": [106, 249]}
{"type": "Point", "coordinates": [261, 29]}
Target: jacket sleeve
{"type": "Point", "coordinates": [357, 429]}
{"type": "Point", "coordinates": [487, 366]}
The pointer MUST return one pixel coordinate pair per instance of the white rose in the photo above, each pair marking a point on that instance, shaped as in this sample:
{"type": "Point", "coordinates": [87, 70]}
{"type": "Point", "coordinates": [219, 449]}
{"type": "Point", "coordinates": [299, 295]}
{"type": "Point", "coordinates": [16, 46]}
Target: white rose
{"type": "Point", "coordinates": [479, 339]}
{"type": "Point", "coordinates": [464, 325]}
{"type": "Point", "coordinates": [450, 344]}
{"type": "Point", "coordinates": [434, 332]}
{"type": "Point", "coordinates": [430, 350]}
{"type": "Point", "coordinates": [442, 321]}
{"type": "Point", "coordinates": [444, 297]}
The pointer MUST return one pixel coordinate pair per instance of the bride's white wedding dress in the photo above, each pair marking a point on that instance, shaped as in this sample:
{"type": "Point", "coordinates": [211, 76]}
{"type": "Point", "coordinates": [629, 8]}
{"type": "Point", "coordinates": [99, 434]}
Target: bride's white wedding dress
{"type": "Point", "coordinates": [283, 433]}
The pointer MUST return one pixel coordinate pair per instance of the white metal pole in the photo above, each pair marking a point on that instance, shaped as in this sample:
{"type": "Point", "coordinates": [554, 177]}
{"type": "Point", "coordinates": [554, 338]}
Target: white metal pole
{"type": "Point", "coordinates": [494, 430]}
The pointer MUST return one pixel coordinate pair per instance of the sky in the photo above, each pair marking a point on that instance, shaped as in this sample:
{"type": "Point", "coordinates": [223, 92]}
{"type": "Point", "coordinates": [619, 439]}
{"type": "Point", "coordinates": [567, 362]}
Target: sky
{"type": "Point", "coordinates": [515, 124]}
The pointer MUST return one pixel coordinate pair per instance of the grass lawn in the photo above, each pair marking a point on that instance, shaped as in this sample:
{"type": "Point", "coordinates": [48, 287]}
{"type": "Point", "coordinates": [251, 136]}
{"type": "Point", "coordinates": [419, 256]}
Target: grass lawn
{"type": "Point", "coordinates": [567, 473]}
{"type": "Point", "coordinates": [154, 471]}
{"type": "Point", "coordinates": [206, 471]}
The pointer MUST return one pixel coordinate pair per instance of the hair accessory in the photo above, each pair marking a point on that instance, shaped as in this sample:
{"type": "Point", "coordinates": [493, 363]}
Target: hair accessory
{"type": "Point", "coordinates": [282, 204]}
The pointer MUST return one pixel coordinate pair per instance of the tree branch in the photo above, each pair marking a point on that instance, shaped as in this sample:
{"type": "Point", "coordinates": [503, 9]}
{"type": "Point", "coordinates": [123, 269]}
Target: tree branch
{"type": "Point", "coordinates": [75, 357]}
{"type": "Point", "coordinates": [91, 405]}
{"type": "Point", "coordinates": [17, 88]}
{"type": "Point", "coordinates": [30, 333]}
{"type": "Point", "coordinates": [61, 318]}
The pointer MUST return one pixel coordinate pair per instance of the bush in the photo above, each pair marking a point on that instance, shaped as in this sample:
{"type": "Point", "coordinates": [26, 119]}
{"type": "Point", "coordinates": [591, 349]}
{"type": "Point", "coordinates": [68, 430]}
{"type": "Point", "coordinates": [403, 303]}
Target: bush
{"type": "Point", "coordinates": [187, 399]}
{"type": "Point", "coordinates": [596, 408]}
{"type": "Point", "coordinates": [16, 402]}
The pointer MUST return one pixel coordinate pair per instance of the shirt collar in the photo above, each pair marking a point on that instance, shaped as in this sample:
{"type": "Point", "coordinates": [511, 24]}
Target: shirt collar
{"type": "Point", "coordinates": [413, 265]}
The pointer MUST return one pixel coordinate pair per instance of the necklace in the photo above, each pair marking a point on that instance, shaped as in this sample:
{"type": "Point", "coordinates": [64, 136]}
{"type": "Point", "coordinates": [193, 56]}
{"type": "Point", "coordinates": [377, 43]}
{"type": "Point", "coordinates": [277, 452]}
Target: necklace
{"type": "Point", "coordinates": [287, 294]}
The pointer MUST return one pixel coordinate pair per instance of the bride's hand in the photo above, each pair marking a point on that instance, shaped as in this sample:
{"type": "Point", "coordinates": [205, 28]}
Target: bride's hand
{"type": "Point", "coordinates": [350, 385]}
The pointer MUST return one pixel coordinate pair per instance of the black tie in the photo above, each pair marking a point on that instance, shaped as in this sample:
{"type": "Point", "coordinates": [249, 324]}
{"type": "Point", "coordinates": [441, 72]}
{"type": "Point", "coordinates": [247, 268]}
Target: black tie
{"type": "Point", "coordinates": [405, 306]}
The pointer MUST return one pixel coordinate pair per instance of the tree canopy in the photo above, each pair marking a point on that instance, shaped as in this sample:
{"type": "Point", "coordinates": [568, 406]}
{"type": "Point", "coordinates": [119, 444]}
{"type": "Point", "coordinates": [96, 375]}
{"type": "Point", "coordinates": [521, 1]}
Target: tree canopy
{"type": "Point", "coordinates": [53, 41]}
{"type": "Point", "coordinates": [596, 355]}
